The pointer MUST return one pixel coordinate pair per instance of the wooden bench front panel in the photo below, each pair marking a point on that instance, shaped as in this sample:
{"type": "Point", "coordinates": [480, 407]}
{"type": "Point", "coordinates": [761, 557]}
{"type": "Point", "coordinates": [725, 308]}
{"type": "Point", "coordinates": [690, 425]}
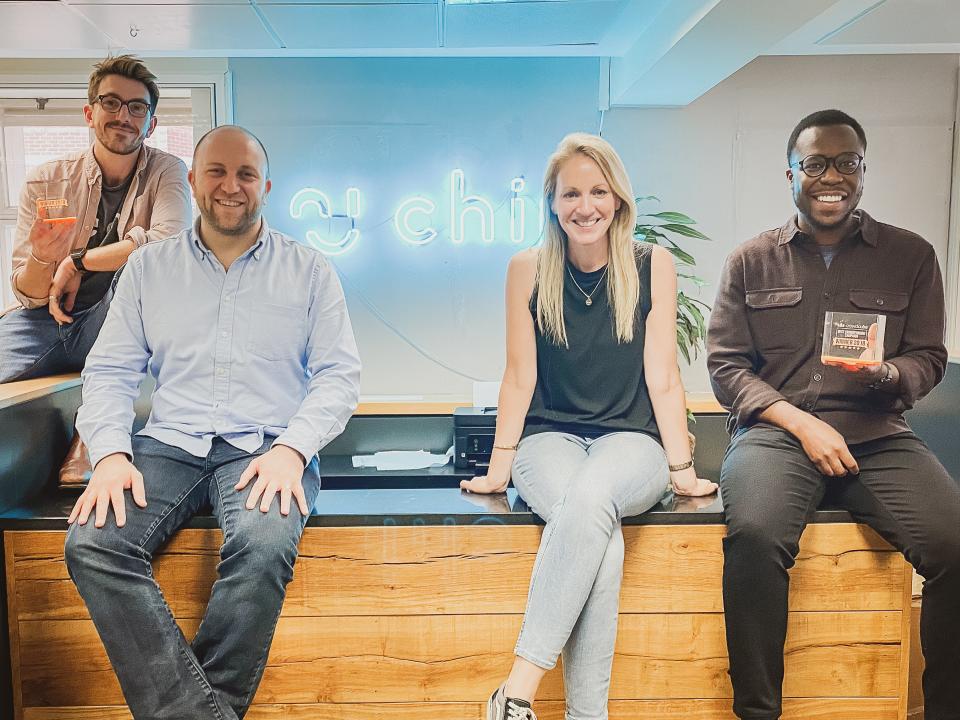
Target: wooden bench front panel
{"type": "Point", "coordinates": [387, 622]}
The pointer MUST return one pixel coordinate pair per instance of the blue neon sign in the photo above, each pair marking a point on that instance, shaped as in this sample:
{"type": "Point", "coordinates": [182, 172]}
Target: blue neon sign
{"type": "Point", "coordinates": [416, 221]}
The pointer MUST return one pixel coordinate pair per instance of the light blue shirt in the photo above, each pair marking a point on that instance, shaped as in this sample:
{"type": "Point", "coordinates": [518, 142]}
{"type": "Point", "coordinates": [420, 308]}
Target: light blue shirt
{"type": "Point", "coordinates": [265, 347]}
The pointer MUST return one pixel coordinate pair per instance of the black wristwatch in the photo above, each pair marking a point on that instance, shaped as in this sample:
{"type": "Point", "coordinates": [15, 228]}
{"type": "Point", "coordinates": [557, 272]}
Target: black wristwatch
{"type": "Point", "coordinates": [886, 378]}
{"type": "Point", "coordinates": [77, 257]}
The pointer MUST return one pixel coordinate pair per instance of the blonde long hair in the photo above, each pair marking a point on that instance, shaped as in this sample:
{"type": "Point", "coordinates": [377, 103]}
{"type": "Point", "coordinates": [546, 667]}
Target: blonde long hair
{"type": "Point", "coordinates": [623, 282]}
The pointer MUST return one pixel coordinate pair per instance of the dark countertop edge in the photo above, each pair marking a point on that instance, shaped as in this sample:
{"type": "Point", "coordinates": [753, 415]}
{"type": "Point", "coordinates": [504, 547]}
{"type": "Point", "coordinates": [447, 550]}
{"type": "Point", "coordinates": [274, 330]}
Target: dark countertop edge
{"type": "Point", "coordinates": [659, 518]}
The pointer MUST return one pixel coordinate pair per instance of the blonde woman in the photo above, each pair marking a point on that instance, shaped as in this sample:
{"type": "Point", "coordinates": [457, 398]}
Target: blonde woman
{"type": "Point", "coordinates": [591, 419]}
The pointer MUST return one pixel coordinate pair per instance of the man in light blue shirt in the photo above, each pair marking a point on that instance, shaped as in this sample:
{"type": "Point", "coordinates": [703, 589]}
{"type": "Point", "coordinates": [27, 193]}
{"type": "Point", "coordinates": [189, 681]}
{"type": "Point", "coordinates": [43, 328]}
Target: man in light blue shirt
{"type": "Point", "coordinates": [247, 334]}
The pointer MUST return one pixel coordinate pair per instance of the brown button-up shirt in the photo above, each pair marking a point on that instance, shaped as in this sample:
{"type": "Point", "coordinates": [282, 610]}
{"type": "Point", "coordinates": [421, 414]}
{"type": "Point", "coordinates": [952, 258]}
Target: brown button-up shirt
{"type": "Point", "coordinates": [766, 327]}
{"type": "Point", "coordinates": [157, 205]}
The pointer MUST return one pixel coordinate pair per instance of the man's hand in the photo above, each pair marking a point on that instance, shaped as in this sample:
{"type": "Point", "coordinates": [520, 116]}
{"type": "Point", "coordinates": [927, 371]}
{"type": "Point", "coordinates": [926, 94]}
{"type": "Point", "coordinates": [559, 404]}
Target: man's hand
{"type": "Point", "coordinates": [825, 447]}
{"type": "Point", "coordinates": [66, 282]}
{"type": "Point", "coordinates": [686, 482]}
{"type": "Point", "coordinates": [497, 477]}
{"type": "Point", "coordinates": [114, 474]}
{"type": "Point", "coordinates": [279, 470]}
{"type": "Point", "coordinates": [49, 242]}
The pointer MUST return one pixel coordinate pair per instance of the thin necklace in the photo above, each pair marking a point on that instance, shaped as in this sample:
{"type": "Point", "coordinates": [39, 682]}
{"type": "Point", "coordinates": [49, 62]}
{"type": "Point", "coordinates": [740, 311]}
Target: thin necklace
{"type": "Point", "coordinates": [589, 298]}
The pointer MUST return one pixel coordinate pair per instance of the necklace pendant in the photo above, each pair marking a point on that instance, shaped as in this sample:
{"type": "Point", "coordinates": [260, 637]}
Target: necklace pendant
{"type": "Point", "coordinates": [589, 301]}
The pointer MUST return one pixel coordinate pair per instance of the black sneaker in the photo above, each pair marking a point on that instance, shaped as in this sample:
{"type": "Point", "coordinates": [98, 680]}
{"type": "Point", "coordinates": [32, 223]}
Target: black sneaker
{"type": "Point", "coordinates": [500, 707]}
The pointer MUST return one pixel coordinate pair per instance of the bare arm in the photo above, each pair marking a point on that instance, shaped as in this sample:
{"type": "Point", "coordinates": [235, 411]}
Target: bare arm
{"type": "Point", "coordinates": [662, 375]}
{"type": "Point", "coordinates": [110, 257]}
{"type": "Point", "coordinates": [519, 376]}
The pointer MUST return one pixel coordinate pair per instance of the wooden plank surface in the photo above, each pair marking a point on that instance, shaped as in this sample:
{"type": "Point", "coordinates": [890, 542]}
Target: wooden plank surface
{"type": "Point", "coordinates": [451, 658]}
{"type": "Point", "coordinates": [449, 570]}
{"type": "Point", "coordinates": [23, 390]}
{"type": "Point", "coordinates": [12, 393]}
{"type": "Point", "coordinates": [794, 709]}
{"type": "Point", "coordinates": [13, 620]}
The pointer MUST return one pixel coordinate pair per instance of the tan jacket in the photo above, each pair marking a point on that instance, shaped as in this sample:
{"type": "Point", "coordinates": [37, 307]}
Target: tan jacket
{"type": "Point", "coordinates": [156, 207]}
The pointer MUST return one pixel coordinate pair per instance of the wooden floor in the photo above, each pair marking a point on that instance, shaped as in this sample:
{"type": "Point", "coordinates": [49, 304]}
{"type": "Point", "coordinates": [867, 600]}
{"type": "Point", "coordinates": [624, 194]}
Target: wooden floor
{"type": "Point", "coordinates": [401, 623]}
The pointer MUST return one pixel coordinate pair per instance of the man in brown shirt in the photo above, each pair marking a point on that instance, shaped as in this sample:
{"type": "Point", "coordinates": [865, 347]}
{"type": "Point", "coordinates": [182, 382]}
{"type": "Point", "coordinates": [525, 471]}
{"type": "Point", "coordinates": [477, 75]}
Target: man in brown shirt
{"type": "Point", "coordinates": [803, 430]}
{"type": "Point", "coordinates": [121, 193]}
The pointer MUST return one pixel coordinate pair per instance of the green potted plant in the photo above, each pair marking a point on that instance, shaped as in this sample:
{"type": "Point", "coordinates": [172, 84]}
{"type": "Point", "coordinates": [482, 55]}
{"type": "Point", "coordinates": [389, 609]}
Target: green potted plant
{"type": "Point", "coordinates": [659, 228]}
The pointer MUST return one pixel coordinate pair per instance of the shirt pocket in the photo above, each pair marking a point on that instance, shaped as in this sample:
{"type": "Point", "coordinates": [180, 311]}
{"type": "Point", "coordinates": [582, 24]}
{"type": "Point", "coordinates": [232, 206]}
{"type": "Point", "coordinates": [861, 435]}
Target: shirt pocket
{"type": "Point", "coordinates": [889, 303]}
{"type": "Point", "coordinates": [277, 331]}
{"type": "Point", "coordinates": [775, 318]}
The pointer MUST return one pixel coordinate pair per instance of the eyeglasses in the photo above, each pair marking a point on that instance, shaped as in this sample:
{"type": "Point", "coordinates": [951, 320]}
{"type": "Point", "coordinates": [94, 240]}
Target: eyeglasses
{"type": "Point", "coordinates": [816, 165]}
{"type": "Point", "coordinates": [112, 104]}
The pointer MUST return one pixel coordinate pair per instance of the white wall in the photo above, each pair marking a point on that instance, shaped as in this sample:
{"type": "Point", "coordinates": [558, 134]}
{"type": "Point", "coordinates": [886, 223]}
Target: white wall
{"type": "Point", "coordinates": [722, 159]}
{"type": "Point", "coordinates": [427, 318]}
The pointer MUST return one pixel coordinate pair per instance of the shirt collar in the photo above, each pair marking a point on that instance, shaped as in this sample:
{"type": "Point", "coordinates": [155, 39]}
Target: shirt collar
{"type": "Point", "coordinates": [256, 250]}
{"type": "Point", "coordinates": [866, 228]}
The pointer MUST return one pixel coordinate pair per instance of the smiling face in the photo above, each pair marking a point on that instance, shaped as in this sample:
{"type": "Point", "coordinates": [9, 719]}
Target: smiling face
{"type": "Point", "coordinates": [583, 202]}
{"type": "Point", "coordinates": [120, 132]}
{"type": "Point", "coordinates": [826, 202]}
{"type": "Point", "coordinates": [229, 181]}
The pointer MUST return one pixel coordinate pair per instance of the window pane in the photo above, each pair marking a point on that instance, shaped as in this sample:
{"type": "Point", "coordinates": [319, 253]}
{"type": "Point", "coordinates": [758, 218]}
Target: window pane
{"type": "Point", "coordinates": [27, 147]}
{"type": "Point", "coordinates": [182, 118]}
{"type": "Point", "coordinates": [177, 140]}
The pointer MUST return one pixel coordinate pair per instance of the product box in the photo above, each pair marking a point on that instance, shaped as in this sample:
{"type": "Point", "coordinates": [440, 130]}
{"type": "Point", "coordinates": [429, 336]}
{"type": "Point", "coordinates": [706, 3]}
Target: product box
{"type": "Point", "coordinates": [853, 339]}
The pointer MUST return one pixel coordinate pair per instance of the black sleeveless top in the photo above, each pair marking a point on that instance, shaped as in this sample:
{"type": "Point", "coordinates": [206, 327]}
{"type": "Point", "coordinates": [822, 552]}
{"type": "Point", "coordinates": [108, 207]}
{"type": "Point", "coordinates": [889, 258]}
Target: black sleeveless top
{"type": "Point", "coordinates": [596, 385]}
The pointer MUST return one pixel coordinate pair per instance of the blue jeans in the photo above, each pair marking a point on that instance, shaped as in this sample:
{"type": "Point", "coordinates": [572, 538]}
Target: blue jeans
{"type": "Point", "coordinates": [33, 345]}
{"type": "Point", "coordinates": [582, 488]}
{"type": "Point", "coordinates": [162, 675]}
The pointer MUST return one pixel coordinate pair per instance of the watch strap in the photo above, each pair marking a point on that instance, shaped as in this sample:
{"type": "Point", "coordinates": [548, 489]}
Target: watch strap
{"type": "Point", "coordinates": [887, 377]}
{"type": "Point", "coordinates": [77, 257]}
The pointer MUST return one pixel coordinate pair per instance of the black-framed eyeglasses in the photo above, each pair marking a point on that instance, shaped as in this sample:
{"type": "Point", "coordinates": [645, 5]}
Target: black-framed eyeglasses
{"type": "Point", "coordinates": [112, 104]}
{"type": "Point", "coordinates": [816, 165]}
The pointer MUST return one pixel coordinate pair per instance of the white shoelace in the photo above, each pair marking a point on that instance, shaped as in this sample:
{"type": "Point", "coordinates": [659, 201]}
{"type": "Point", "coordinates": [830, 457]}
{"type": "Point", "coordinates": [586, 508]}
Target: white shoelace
{"type": "Point", "coordinates": [515, 712]}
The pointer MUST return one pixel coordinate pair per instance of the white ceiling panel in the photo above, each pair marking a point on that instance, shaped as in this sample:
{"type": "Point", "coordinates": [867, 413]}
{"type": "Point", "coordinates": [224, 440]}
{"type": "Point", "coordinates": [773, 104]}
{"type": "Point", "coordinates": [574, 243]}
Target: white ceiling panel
{"type": "Point", "coordinates": [51, 27]}
{"type": "Point", "coordinates": [341, 2]}
{"type": "Point", "coordinates": [162, 2]}
{"type": "Point", "coordinates": [544, 24]}
{"type": "Point", "coordinates": [164, 28]}
{"type": "Point", "coordinates": [904, 22]}
{"type": "Point", "coordinates": [363, 25]}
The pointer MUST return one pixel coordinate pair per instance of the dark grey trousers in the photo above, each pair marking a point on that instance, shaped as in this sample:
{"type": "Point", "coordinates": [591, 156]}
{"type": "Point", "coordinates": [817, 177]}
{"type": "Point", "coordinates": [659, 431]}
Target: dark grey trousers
{"type": "Point", "coordinates": [770, 489]}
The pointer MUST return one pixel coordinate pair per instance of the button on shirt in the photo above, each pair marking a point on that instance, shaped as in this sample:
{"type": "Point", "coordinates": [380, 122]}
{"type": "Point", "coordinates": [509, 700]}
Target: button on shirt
{"type": "Point", "coordinates": [265, 347]}
{"type": "Point", "coordinates": [766, 328]}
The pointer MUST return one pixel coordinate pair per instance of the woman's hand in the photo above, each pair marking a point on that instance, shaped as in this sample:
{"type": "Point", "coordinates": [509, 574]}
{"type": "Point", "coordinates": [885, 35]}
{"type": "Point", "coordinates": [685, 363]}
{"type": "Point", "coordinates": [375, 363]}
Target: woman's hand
{"type": "Point", "coordinates": [497, 477]}
{"type": "Point", "coordinates": [686, 482]}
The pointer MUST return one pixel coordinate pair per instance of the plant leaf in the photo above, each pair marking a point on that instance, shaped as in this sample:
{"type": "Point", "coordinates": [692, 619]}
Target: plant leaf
{"type": "Point", "coordinates": [673, 217]}
{"type": "Point", "coordinates": [698, 281]}
{"type": "Point", "coordinates": [681, 255]}
{"type": "Point", "coordinates": [648, 230]}
{"type": "Point", "coordinates": [684, 230]}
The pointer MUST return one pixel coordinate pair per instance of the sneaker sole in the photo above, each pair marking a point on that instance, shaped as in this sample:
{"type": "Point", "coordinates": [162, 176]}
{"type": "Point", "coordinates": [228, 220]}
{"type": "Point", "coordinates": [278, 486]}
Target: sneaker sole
{"type": "Point", "coordinates": [492, 708]}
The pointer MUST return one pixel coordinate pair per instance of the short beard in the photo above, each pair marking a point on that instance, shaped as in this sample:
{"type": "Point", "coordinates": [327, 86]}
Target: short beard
{"type": "Point", "coordinates": [821, 227]}
{"type": "Point", "coordinates": [122, 149]}
{"type": "Point", "coordinates": [247, 221]}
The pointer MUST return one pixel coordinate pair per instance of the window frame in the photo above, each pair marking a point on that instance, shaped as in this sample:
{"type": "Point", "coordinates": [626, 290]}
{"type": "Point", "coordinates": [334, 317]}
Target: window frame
{"type": "Point", "coordinates": [952, 275]}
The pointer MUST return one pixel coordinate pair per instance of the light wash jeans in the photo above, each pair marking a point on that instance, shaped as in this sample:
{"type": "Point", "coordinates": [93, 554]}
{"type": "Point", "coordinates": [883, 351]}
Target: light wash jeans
{"type": "Point", "coordinates": [164, 677]}
{"type": "Point", "coordinates": [582, 488]}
